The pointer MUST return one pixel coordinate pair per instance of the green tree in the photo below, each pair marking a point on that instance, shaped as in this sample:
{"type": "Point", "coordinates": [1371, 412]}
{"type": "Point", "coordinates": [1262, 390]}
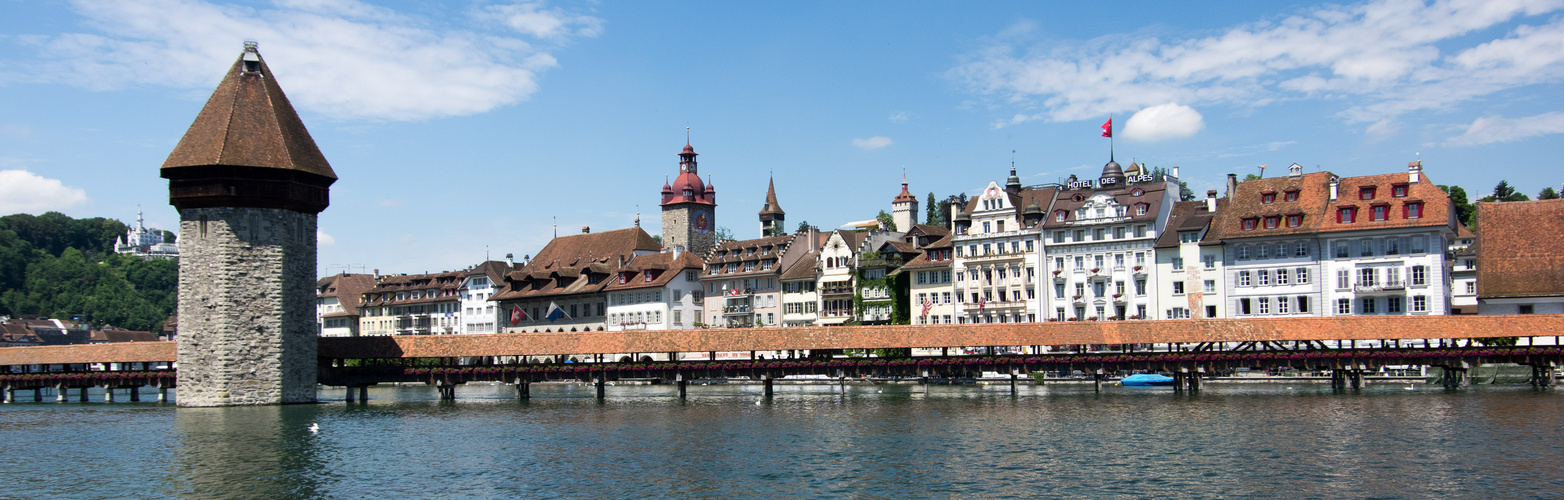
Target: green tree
{"type": "Point", "coordinates": [774, 230]}
{"type": "Point", "coordinates": [934, 217]}
{"type": "Point", "coordinates": [1464, 211]}
{"type": "Point", "coordinates": [723, 234]}
{"type": "Point", "coordinates": [886, 220]}
{"type": "Point", "coordinates": [1548, 193]}
{"type": "Point", "coordinates": [803, 225]}
{"type": "Point", "coordinates": [1251, 177]}
{"type": "Point", "coordinates": [1504, 192]}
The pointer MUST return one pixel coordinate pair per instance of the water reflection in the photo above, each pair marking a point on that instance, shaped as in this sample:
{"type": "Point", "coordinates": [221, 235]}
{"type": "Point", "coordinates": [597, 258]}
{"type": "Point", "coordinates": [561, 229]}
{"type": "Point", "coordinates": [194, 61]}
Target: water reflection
{"type": "Point", "coordinates": [246, 452]}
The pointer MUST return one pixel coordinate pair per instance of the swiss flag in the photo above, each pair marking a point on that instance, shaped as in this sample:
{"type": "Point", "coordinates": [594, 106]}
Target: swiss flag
{"type": "Point", "coordinates": [516, 315]}
{"type": "Point", "coordinates": [1107, 128]}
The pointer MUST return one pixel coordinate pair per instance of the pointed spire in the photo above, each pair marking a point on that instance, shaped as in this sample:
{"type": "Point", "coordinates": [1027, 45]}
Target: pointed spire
{"type": "Point", "coordinates": [772, 207]}
{"type": "Point", "coordinates": [1013, 183]}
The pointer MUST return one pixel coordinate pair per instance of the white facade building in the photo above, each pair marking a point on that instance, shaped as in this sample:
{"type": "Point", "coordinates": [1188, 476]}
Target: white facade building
{"type": "Point", "coordinates": [1101, 237]}
{"type": "Point", "coordinates": [997, 254]}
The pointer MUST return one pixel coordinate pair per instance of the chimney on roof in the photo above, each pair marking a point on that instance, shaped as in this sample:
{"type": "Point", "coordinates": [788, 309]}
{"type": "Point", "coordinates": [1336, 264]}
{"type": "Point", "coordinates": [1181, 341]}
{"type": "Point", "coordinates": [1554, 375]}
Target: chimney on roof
{"type": "Point", "coordinates": [1335, 184]}
{"type": "Point", "coordinates": [510, 260]}
{"type": "Point", "coordinates": [377, 274]}
{"type": "Point", "coordinates": [1175, 172]}
{"type": "Point", "coordinates": [1413, 168]}
{"type": "Point", "coordinates": [1295, 170]}
{"type": "Point", "coordinates": [1232, 185]}
{"type": "Point", "coordinates": [677, 250]}
{"type": "Point", "coordinates": [586, 229]}
{"type": "Point", "coordinates": [1211, 201]}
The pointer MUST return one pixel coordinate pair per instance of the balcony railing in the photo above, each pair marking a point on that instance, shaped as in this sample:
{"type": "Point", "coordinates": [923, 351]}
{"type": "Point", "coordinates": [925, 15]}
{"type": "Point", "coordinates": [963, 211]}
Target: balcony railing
{"type": "Point", "coordinates": [1379, 286]}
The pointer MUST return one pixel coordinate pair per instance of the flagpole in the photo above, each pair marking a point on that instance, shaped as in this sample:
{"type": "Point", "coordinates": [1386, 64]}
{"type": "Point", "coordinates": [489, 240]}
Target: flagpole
{"type": "Point", "coordinates": [1110, 137]}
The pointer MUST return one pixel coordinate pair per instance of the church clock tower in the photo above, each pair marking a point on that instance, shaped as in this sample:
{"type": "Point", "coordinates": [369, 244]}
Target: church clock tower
{"type": "Point", "coordinates": [689, 208]}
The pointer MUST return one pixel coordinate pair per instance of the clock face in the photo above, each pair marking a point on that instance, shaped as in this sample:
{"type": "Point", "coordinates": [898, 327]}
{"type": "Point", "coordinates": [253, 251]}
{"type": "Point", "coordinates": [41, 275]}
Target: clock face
{"type": "Point", "coordinates": [702, 223]}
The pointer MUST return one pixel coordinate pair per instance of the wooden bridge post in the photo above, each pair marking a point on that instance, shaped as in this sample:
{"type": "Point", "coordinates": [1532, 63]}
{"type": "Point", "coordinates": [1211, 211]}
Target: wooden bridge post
{"type": "Point", "coordinates": [1178, 381]}
{"type": "Point", "coordinates": [363, 393]}
{"type": "Point", "coordinates": [1096, 381]}
{"type": "Point", "coordinates": [348, 398]}
{"type": "Point", "coordinates": [7, 394]}
{"type": "Point", "coordinates": [1012, 382]}
{"type": "Point", "coordinates": [600, 382]}
{"type": "Point", "coordinates": [59, 393]}
{"type": "Point", "coordinates": [684, 385]}
{"type": "Point", "coordinates": [523, 389]}
{"type": "Point", "coordinates": [162, 394]}
{"type": "Point", "coordinates": [766, 379]}
{"type": "Point", "coordinates": [135, 394]}
{"type": "Point", "coordinates": [1194, 380]}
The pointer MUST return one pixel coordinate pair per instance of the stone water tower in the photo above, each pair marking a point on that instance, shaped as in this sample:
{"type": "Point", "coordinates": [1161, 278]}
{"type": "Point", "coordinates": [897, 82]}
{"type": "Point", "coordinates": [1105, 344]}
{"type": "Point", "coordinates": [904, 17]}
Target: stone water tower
{"type": "Point", "coordinates": [248, 182]}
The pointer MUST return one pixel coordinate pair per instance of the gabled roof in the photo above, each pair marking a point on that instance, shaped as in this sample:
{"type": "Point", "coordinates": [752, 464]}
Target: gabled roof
{"type": "Point", "coordinates": [565, 265]}
{"type": "Point", "coordinates": [495, 270]}
{"type": "Point", "coordinates": [1520, 249]}
{"type": "Point", "coordinates": [1186, 216]}
{"type": "Point", "coordinates": [1436, 203]}
{"type": "Point", "coordinates": [1151, 194]}
{"type": "Point", "coordinates": [663, 268]}
{"type": "Point", "coordinates": [248, 122]}
{"type": "Point", "coordinates": [1246, 202]}
{"type": "Point", "coordinates": [804, 269]}
{"type": "Point", "coordinates": [347, 288]}
{"type": "Point", "coordinates": [123, 336]}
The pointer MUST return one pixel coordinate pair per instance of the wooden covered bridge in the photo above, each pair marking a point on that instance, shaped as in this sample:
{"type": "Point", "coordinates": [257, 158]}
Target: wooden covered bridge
{"type": "Point", "coordinates": [1187, 349]}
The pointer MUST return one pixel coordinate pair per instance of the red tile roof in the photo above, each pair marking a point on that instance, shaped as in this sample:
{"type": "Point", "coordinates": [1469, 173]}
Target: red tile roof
{"type": "Point", "coordinates": [347, 288]}
{"type": "Point", "coordinates": [1437, 208]}
{"type": "Point", "coordinates": [576, 264]}
{"type": "Point", "coordinates": [1520, 249]}
{"type": "Point", "coordinates": [249, 122]}
{"type": "Point", "coordinates": [662, 267]}
{"type": "Point", "coordinates": [804, 269]}
{"type": "Point", "coordinates": [1065, 200]}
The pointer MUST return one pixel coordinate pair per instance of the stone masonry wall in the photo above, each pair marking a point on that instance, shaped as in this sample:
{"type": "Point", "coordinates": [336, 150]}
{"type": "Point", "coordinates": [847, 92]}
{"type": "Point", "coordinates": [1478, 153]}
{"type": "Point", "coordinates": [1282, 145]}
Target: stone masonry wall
{"type": "Point", "coordinates": [246, 307]}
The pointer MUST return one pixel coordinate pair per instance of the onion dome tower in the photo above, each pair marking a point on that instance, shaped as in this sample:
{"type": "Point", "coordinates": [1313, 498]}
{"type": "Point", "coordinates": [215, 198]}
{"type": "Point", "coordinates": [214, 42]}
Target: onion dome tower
{"type": "Point", "coordinates": [771, 215]}
{"type": "Point", "coordinates": [904, 208]}
{"type": "Point", "coordinates": [689, 208]}
{"type": "Point", "coordinates": [1112, 175]}
{"type": "Point", "coordinates": [248, 182]}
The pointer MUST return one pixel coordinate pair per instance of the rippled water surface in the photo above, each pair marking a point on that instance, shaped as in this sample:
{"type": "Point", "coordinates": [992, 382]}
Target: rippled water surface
{"type": "Point", "coordinates": [1257, 440]}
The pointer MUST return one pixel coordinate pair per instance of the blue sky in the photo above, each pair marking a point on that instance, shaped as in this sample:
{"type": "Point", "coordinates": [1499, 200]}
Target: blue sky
{"type": "Point", "coordinates": [462, 126]}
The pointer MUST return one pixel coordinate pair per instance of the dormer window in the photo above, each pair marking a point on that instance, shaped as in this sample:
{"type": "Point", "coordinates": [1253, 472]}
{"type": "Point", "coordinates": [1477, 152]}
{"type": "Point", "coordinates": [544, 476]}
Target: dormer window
{"type": "Point", "coordinates": [1346, 215]}
{"type": "Point", "coordinates": [1267, 198]}
{"type": "Point", "coordinates": [1249, 223]}
{"type": "Point", "coordinates": [1140, 208]}
{"type": "Point", "coordinates": [1295, 220]}
{"type": "Point", "coordinates": [1137, 192]}
{"type": "Point", "coordinates": [1381, 212]}
{"type": "Point", "coordinates": [1060, 215]}
{"type": "Point", "coordinates": [1366, 193]}
{"type": "Point", "coordinates": [1272, 221]}
{"type": "Point", "coordinates": [1290, 195]}
{"type": "Point", "coordinates": [1412, 211]}
{"type": "Point", "coordinates": [1398, 191]}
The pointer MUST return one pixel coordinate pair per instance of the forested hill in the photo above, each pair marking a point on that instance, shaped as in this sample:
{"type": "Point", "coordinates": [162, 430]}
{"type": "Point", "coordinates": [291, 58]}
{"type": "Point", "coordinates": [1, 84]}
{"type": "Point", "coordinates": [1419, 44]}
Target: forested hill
{"type": "Point", "coordinates": [55, 266]}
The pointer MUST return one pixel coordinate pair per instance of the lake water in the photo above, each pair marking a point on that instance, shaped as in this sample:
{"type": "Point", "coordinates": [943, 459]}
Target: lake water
{"type": "Point", "coordinates": [1257, 440]}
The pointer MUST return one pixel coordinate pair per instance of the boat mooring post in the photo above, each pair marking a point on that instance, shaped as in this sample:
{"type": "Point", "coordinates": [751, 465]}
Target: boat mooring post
{"type": "Point", "coordinates": [600, 382]}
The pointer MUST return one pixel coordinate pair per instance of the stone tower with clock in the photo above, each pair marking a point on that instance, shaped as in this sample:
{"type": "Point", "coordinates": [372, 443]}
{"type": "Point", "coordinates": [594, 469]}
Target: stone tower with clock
{"type": "Point", "coordinates": [689, 208]}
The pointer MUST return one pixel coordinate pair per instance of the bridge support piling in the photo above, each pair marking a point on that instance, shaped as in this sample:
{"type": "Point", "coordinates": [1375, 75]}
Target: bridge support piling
{"type": "Point", "coordinates": [1097, 381]}
{"type": "Point", "coordinates": [7, 394]}
{"type": "Point", "coordinates": [59, 393]}
{"type": "Point", "coordinates": [37, 395]}
{"type": "Point", "coordinates": [766, 379]}
{"type": "Point", "coordinates": [600, 382]}
{"type": "Point", "coordinates": [162, 394]}
{"type": "Point", "coordinates": [108, 394]}
{"type": "Point", "coordinates": [447, 392]}
{"type": "Point", "coordinates": [363, 394]}
{"type": "Point", "coordinates": [1178, 382]}
{"type": "Point", "coordinates": [523, 389]}
{"type": "Point", "coordinates": [135, 394]}
{"type": "Point", "coordinates": [1012, 382]}
{"type": "Point", "coordinates": [1194, 382]}
{"type": "Point", "coordinates": [348, 398]}
{"type": "Point", "coordinates": [83, 397]}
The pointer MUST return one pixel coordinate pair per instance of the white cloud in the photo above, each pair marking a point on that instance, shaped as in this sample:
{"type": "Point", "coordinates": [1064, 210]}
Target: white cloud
{"type": "Point", "coordinates": [534, 19]}
{"type": "Point", "coordinates": [323, 239]}
{"type": "Point", "coordinates": [875, 142]}
{"type": "Point", "coordinates": [1492, 129]}
{"type": "Point", "coordinates": [899, 117]}
{"type": "Point", "coordinates": [1385, 57]}
{"type": "Point", "coordinates": [1164, 121]}
{"type": "Point", "coordinates": [26, 192]}
{"type": "Point", "coordinates": [341, 58]}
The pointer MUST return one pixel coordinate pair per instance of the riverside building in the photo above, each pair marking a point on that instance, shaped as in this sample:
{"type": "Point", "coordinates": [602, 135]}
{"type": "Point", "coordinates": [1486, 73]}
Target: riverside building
{"type": "Point", "coordinates": [1100, 251]}
{"type": "Point", "coordinates": [998, 250]}
{"type": "Point", "coordinates": [563, 287]}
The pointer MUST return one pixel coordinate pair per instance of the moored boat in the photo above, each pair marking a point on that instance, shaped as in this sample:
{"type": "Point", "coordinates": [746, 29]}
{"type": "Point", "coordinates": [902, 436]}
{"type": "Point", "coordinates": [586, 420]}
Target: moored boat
{"type": "Point", "coordinates": [1146, 380]}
